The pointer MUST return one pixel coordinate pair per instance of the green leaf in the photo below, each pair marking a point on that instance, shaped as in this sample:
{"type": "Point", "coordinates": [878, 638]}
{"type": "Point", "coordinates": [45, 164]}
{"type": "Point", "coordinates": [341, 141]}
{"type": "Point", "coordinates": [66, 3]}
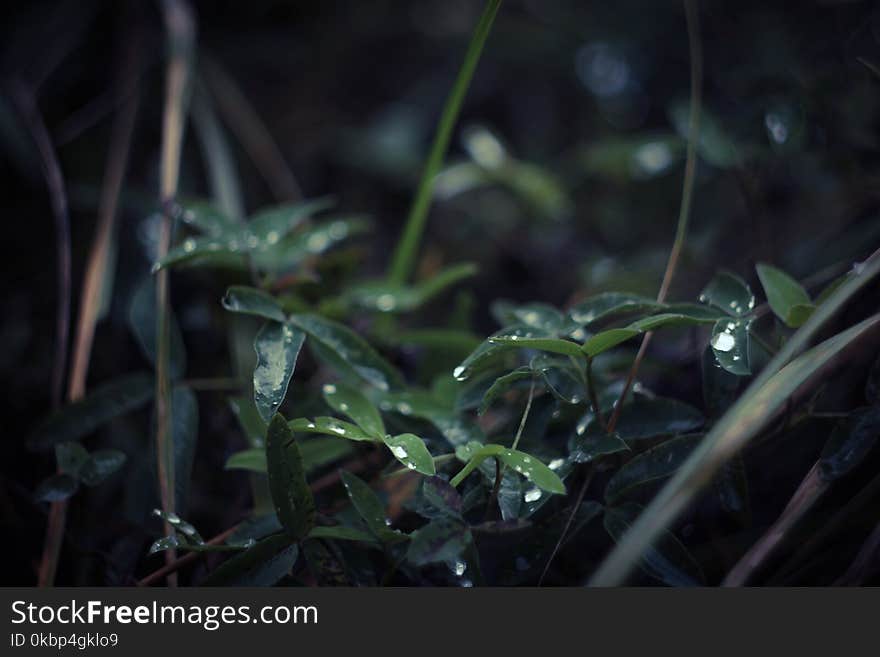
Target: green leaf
{"type": "Point", "coordinates": [561, 377]}
{"type": "Point", "coordinates": [253, 459]}
{"type": "Point", "coordinates": [455, 428]}
{"type": "Point", "coordinates": [350, 401]}
{"type": "Point", "coordinates": [501, 385]}
{"type": "Point", "coordinates": [263, 564]}
{"type": "Point", "coordinates": [719, 386]}
{"type": "Point", "coordinates": [440, 541]}
{"type": "Point", "coordinates": [555, 345]}
{"type": "Point", "coordinates": [649, 467]}
{"type": "Point", "coordinates": [179, 525]}
{"type": "Point", "coordinates": [104, 403]}
{"type": "Point", "coordinates": [850, 442]}
{"type": "Point", "coordinates": [56, 488]}
{"type": "Point", "coordinates": [658, 416]}
{"type": "Point", "coordinates": [351, 349]}
{"type": "Point", "coordinates": [206, 218]}
{"type": "Point", "coordinates": [251, 301]}
{"type": "Point", "coordinates": [387, 297]}
{"type": "Point", "coordinates": [291, 494]}
{"type": "Point", "coordinates": [524, 464]}
{"type": "Point", "coordinates": [277, 346]}
{"type": "Point", "coordinates": [308, 242]}
{"type": "Point", "coordinates": [609, 304]}
{"type": "Point", "coordinates": [730, 344]}
{"type": "Point", "coordinates": [730, 293]}
{"type": "Point", "coordinates": [226, 250]}
{"type": "Point", "coordinates": [440, 499]}
{"type": "Point", "coordinates": [370, 508]}
{"type": "Point", "coordinates": [143, 323]}
{"type": "Point", "coordinates": [101, 464]}
{"type": "Point", "coordinates": [667, 560]}
{"type": "Point", "coordinates": [541, 316]}
{"type": "Point", "coordinates": [609, 339]}
{"type": "Point", "coordinates": [71, 457]}
{"type": "Point", "coordinates": [330, 426]}
{"type": "Point", "coordinates": [787, 298]}
{"type": "Point", "coordinates": [410, 450]}
{"type": "Point", "coordinates": [593, 444]}
{"type": "Point", "coordinates": [489, 352]}
{"type": "Point", "coordinates": [269, 225]}
{"type": "Point", "coordinates": [253, 426]}
{"type": "Point", "coordinates": [342, 533]}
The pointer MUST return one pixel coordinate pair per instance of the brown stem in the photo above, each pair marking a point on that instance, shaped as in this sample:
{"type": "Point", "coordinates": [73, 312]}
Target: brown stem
{"type": "Point", "coordinates": [806, 495]}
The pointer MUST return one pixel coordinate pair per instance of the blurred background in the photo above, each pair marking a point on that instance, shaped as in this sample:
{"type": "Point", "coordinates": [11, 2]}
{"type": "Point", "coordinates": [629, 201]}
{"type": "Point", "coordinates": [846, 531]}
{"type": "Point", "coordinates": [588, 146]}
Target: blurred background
{"type": "Point", "coordinates": [563, 179]}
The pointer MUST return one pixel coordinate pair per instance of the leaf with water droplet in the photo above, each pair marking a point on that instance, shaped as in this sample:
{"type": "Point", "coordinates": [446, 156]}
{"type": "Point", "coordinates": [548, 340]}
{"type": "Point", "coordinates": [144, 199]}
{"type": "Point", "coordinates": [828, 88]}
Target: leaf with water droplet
{"type": "Point", "coordinates": [526, 465]}
{"type": "Point", "coordinates": [788, 300]}
{"type": "Point", "coordinates": [389, 297]}
{"type": "Point", "coordinates": [540, 316]}
{"type": "Point", "coordinates": [101, 464]}
{"type": "Point", "coordinates": [350, 350]}
{"type": "Point", "coordinates": [343, 533]}
{"type": "Point", "coordinates": [491, 354]}
{"type": "Point", "coordinates": [657, 416]}
{"type": "Point", "coordinates": [602, 342]}
{"type": "Point", "coordinates": [720, 387]}
{"type": "Point", "coordinates": [279, 220]}
{"type": "Point", "coordinates": [561, 377]}
{"type": "Point", "coordinates": [730, 344]}
{"type": "Point", "coordinates": [729, 293]}
{"type": "Point", "coordinates": [590, 445]}
{"type": "Point", "coordinates": [350, 401]}
{"type": "Point", "coordinates": [610, 304]}
{"type": "Point", "coordinates": [277, 346]}
{"type": "Point", "coordinates": [438, 499]}
{"type": "Point", "coordinates": [440, 541]}
{"type": "Point", "coordinates": [70, 457]}
{"type": "Point", "coordinates": [370, 508]}
{"type": "Point", "coordinates": [650, 467]}
{"type": "Point", "coordinates": [291, 494]}
{"type": "Point", "coordinates": [410, 450]}
{"type": "Point", "coordinates": [106, 402]}
{"type": "Point", "coordinates": [206, 218]}
{"type": "Point", "coordinates": [308, 242]}
{"type": "Point", "coordinates": [252, 424]}
{"type": "Point", "coordinates": [263, 564]}
{"type": "Point", "coordinates": [251, 301]}
{"type": "Point", "coordinates": [555, 345]}
{"type": "Point", "coordinates": [456, 428]}
{"type": "Point", "coordinates": [850, 442]}
{"type": "Point", "coordinates": [666, 560]}
{"type": "Point", "coordinates": [331, 426]}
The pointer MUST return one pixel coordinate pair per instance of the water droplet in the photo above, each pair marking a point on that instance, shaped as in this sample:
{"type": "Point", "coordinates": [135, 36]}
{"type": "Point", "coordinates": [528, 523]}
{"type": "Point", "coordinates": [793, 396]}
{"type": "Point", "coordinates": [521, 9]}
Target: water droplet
{"type": "Point", "coordinates": [458, 373]}
{"type": "Point", "coordinates": [329, 389]}
{"type": "Point", "coordinates": [399, 452]}
{"type": "Point", "coordinates": [385, 302]}
{"type": "Point", "coordinates": [189, 245]}
{"type": "Point", "coordinates": [532, 495]}
{"type": "Point", "coordinates": [272, 237]}
{"type": "Point", "coordinates": [404, 408]}
{"type": "Point", "coordinates": [460, 567]}
{"type": "Point", "coordinates": [555, 464]}
{"type": "Point", "coordinates": [723, 342]}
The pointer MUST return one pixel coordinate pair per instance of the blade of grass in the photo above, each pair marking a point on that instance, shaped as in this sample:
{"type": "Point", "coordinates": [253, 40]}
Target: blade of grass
{"type": "Point", "coordinates": [180, 27]}
{"type": "Point", "coordinates": [405, 253]}
{"type": "Point", "coordinates": [755, 408]}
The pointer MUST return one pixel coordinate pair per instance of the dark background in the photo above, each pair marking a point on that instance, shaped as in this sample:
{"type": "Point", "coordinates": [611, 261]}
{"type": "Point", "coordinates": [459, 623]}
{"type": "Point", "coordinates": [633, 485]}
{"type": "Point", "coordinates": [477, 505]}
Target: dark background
{"type": "Point", "coordinates": [351, 92]}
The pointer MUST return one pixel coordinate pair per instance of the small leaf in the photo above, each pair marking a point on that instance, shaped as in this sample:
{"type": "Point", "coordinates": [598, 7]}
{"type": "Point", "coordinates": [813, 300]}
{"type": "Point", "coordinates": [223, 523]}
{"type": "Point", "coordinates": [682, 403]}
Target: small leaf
{"type": "Point", "coordinates": [342, 533]}
{"type": "Point", "coordinates": [730, 293]}
{"type": "Point", "coordinates": [269, 225]}
{"type": "Point", "coordinates": [667, 560]}
{"type": "Point", "coordinates": [555, 345]}
{"type": "Point", "coordinates": [101, 464]}
{"type": "Point", "coordinates": [390, 297]}
{"type": "Point", "coordinates": [179, 525]}
{"type": "Point", "coordinates": [253, 426]}
{"type": "Point", "coordinates": [591, 445]}
{"type": "Point", "coordinates": [291, 494]}
{"type": "Point", "coordinates": [609, 339]}
{"type": "Point", "coordinates": [440, 541]}
{"type": "Point", "coordinates": [524, 464]}
{"type": "Point", "coordinates": [370, 508]}
{"type": "Point", "coordinates": [251, 301]}
{"type": "Point", "coordinates": [850, 442]}
{"type": "Point", "coordinates": [206, 218]}
{"type": "Point", "coordinates": [330, 426]}
{"type": "Point", "coordinates": [730, 344]}
{"type": "Point", "coordinates": [410, 450]}
{"type": "Point", "coordinates": [352, 402]}
{"type": "Point", "coordinates": [720, 387]}
{"type": "Point", "coordinates": [55, 488]}
{"type": "Point", "coordinates": [71, 457]}
{"type": "Point", "coordinates": [455, 428]}
{"type": "Point", "coordinates": [441, 496]}
{"type": "Point", "coordinates": [787, 298]}
{"type": "Point", "coordinates": [351, 349]}
{"type": "Point", "coordinates": [104, 403]}
{"type": "Point", "coordinates": [609, 304]}
{"type": "Point", "coordinates": [253, 459]}
{"type": "Point", "coordinates": [649, 467]}
{"type": "Point", "coordinates": [263, 564]}
{"type": "Point", "coordinates": [489, 353]}
{"type": "Point", "coordinates": [541, 316]}
{"type": "Point", "coordinates": [277, 346]}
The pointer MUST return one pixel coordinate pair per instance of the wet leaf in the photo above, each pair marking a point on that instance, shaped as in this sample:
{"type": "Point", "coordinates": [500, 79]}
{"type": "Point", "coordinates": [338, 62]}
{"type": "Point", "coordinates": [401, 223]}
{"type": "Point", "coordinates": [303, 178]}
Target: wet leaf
{"type": "Point", "coordinates": [253, 459]}
{"type": "Point", "coordinates": [106, 402]}
{"type": "Point", "coordinates": [501, 385]}
{"type": "Point", "coordinates": [206, 218]}
{"type": "Point", "coordinates": [71, 457]}
{"type": "Point", "coordinates": [658, 416]}
{"type": "Point", "coordinates": [251, 301]}
{"type": "Point", "coordinates": [649, 467]}
{"type": "Point", "coordinates": [410, 450]}
{"type": "Point", "coordinates": [440, 541]}
{"type": "Point", "coordinates": [56, 488]}
{"type": "Point", "coordinates": [441, 496]}
{"type": "Point", "coordinates": [850, 442]}
{"type": "Point", "coordinates": [524, 464]}
{"type": "Point", "coordinates": [593, 444]}
{"type": "Point", "coordinates": [350, 401]}
{"type": "Point", "coordinates": [610, 304]}
{"type": "Point", "coordinates": [729, 293]}
{"type": "Point", "coordinates": [291, 494]}
{"type": "Point", "coordinates": [490, 353]}
{"type": "Point", "coordinates": [253, 426]}
{"type": "Point", "coordinates": [277, 346]}
{"type": "Point", "coordinates": [666, 560]}
{"type": "Point", "coordinates": [555, 345]}
{"type": "Point", "coordinates": [342, 533]}
{"type": "Point", "coordinates": [369, 508]}
{"type": "Point", "coordinates": [330, 426]}
{"type": "Point", "coordinates": [730, 344]}
{"type": "Point", "coordinates": [269, 225]}
{"type": "Point", "coordinates": [457, 429]}
{"type": "Point", "coordinates": [719, 386]}
{"type": "Point", "coordinates": [389, 297]}
{"type": "Point", "coordinates": [541, 316]}
{"type": "Point", "coordinates": [263, 564]}
{"type": "Point", "coordinates": [142, 321]}
{"type": "Point", "coordinates": [787, 298]}
{"type": "Point", "coordinates": [102, 463]}
{"type": "Point", "coordinates": [609, 339]}
{"type": "Point", "coordinates": [351, 349]}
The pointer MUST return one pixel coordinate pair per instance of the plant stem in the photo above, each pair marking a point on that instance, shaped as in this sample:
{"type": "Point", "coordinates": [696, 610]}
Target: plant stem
{"type": "Point", "coordinates": [525, 416]}
{"type": "Point", "coordinates": [594, 398]}
{"type": "Point", "coordinates": [687, 192]}
{"type": "Point", "coordinates": [404, 257]}
{"type": "Point", "coordinates": [180, 26]}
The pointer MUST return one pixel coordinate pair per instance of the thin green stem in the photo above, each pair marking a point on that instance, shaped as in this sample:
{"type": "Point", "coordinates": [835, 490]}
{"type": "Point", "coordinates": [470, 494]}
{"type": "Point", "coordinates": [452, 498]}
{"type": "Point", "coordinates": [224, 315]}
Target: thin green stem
{"type": "Point", "coordinates": [594, 398]}
{"type": "Point", "coordinates": [525, 416]}
{"type": "Point", "coordinates": [404, 257]}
